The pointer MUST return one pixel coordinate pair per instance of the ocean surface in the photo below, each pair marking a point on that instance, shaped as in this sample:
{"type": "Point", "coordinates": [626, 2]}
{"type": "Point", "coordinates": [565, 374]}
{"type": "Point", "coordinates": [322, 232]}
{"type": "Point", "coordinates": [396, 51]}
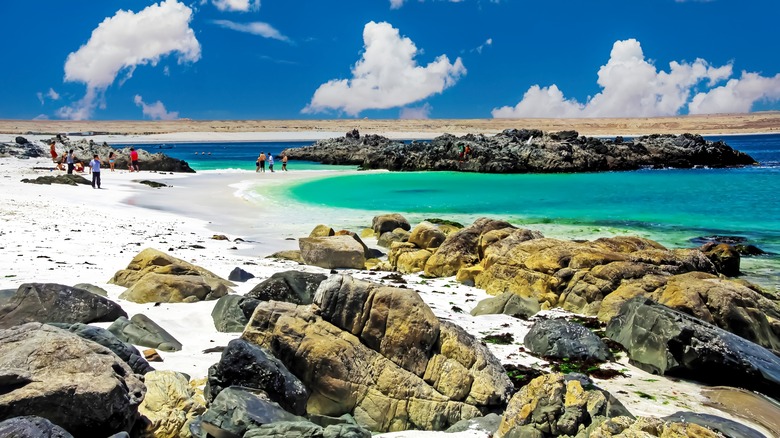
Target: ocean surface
{"type": "Point", "coordinates": [674, 207]}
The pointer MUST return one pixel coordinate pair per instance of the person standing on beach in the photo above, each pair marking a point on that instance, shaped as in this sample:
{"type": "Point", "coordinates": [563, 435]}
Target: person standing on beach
{"type": "Point", "coordinates": [111, 160]}
{"type": "Point", "coordinates": [257, 164]}
{"type": "Point", "coordinates": [134, 160]}
{"type": "Point", "coordinates": [94, 166]}
{"type": "Point", "coordinates": [53, 150]}
{"type": "Point", "coordinates": [271, 162]}
{"type": "Point", "coordinates": [71, 160]}
{"type": "Point", "coordinates": [284, 162]}
{"type": "Point", "coordinates": [261, 160]}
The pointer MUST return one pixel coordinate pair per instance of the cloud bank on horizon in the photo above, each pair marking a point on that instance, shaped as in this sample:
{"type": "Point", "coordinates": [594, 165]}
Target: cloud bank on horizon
{"type": "Point", "coordinates": [402, 68]}
{"type": "Point", "coordinates": [633, 87]}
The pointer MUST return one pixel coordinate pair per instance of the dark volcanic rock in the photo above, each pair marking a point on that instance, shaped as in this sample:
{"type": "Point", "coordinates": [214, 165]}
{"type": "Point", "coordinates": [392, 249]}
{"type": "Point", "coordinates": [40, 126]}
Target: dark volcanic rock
{"type": "Point", "coordinates": [50, 302]}
{"type": "Point", "coordinates": [232, 312]}
{"type": "Point", "coordinates": [523, 151]}
{"type": "Point", "coordinates": [238, 274]}
{"type": "Point", "coordinates": [31, 427]}
{"type": "Point", "coordinates": [70, 180]}
{"type": "Point", "coordinates": [290, 286]}
{"type": "Point", "coordinates": [248, 365]}
{"type": "Point", "coordinates": [565, 340]}
{"type": "Point", "coordinates": [665, 341]}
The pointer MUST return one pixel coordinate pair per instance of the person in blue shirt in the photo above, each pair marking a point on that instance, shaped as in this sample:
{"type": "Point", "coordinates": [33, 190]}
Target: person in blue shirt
{"type": "Point", "coordinates": [94, 164]}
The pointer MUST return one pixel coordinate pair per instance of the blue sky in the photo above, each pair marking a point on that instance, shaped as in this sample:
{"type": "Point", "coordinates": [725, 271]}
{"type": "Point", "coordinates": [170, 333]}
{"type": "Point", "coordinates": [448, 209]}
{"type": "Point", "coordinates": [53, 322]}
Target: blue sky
{"type": "Point", "coordinates": [321, 59]}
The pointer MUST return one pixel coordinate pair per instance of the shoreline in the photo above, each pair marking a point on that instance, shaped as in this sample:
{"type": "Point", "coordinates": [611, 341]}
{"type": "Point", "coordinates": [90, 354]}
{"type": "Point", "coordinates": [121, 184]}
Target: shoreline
{"type": "Point", "coordinates": [69, 235]}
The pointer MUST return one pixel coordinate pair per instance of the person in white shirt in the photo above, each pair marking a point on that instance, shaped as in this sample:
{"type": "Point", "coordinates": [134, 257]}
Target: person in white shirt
{"type": "Point", "coordinates": [94, 164]}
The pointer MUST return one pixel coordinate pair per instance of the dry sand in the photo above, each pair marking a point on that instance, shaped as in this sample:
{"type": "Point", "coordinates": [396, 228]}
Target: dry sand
{"type": "Point", "coordinates": [763, 122]}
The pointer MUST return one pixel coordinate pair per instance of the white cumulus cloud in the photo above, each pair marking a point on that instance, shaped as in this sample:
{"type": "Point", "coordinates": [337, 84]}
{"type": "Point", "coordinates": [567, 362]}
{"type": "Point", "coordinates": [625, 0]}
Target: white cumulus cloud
{"type": "Point", "coordinates": [237, 5]}
{"type": "Point", "coordinates": [51, 94]}
{"type": "Point", "coordinates": [156, 110]}
{"type": "Point", "coordinates": [632, 87]}
{"type": "Point", "coordinates": [396, 4]}
{"type": "Point", "coordinates": [255, 28]}
{"type": "Point", "coordinates": [387, 76]}
{"type": "Point", "coordinates": [125, 41]}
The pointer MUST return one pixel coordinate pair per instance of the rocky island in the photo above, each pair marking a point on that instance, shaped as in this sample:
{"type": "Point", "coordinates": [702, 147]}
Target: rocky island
{"type": "Point", "coordinates": [523, 151]}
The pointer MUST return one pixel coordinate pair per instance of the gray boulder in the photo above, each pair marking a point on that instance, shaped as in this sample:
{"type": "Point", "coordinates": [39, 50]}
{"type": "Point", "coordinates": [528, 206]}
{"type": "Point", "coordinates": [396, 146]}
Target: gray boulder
{"type": "Point", "coordinates": [237, 410]}
{"type": "Point", "coordinates": [50, 302]}
{"type": "Point", "coordinates": [489, 423]}
{"type": "Point", "coordinates": [664, 341]}
{"type": "Point", "coordinates": [140, 330]}
{"type": "Point", "coordinates": [508, 303]}
{"type": "Point", "coordinates": [290, 286]}
{"type": "Point", "coordinates": [563, 339]}
{"type": "Point", "coordinates": [77, 384]}
{"type": "Point", "coordinates": [129, 354]}
{"type": "Point", "coordinates": [248, 365]}
{"type": "Point", "coordinates": [92, 288]}
{"type": "Point", "coordinates": [729, 428]}
{"type": "Point", "coordinates": [386, 239]}
{"type": "Point", "coordinates": [232, 312]}
{"type": "Point", "coordinates": [31, 426]}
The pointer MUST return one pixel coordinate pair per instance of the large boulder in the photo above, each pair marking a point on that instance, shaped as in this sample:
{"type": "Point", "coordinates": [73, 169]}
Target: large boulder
{"type": "Point", "coordinates": [379, 354]}
{"type": "Point", "coordinates": [333, 252]}
{"type": "Point", "coordinates": [565, 340]}
{"type": "Point", "coordinates": [407, 258]}
{"type": "Point", "coordinates": [388, 238]}
{"type": "Point", "coordinates": [389, 222]}
{"type": "Point", "coordinates": [725, 257]}
{"type": "Point", "coordinates": [235, 411]}
{"type": "Point", "coordinates": [555, 405]}
{"type": "Point", "coordinates": [240, 275]}
{"type": "Point", "coordinates": [140, 330]}
{"type": "Point", "coordinates": [194, 282]}
{"type": "Point", "coordinates": [250, 366]}
{"type": "Point", "coordinates": [647, 427]}
{"type": "Point", "coordinates": [169, 406]}
{"type": "Point", "coordinates": [461, 249]}
{"type": "Point", "coordinates": [31, 426]}
{"type": "Point", "coordinates": [77, 384]}
{"type": "Point", "coordinates": [50, 302]}
{"type": "Point", "coordinates": [295, 287]}
{"type": "Point", "coordinates": [128, 353]}
{"type": "Point", "coordinates": [666, 341]}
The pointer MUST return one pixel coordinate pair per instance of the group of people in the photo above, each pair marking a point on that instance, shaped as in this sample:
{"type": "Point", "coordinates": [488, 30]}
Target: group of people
{"type": "Point", "coordinates": [262, 158]}
{"type": "Point", "coordinates": [74, 164]}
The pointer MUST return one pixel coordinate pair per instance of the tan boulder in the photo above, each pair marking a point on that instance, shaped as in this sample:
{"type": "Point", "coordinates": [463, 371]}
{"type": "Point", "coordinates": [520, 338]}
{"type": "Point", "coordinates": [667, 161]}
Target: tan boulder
{"type": "Point", "coordinates": [427, 236]}
{"type": "Point", "coordinates": [346, 376]}
{"type": "Point", "coordinates": [332, 252]}
{"type": "Point", "coordinates": [169, 406]}
{"type": "Point", "coordinates": [407, 258]}
{"type": "Point", "coordinates": [357, 238]}
{"type": "Point", "coordinates": [322, 231]}
{"type": "Point", "coordinates": [168, 288]}
{"type": "Point", "coordinates": [153, 261]}
{"type": "Point", "coordinates": [386, 239]}
{"type": "Point", "coordinates": [367, 232]}
{"type": "Point", "coordinates": [461, 249]}
{"type": "Point", "coordinates": [611, 304]}
{"type": "Point", "coordinates": [648, 427]}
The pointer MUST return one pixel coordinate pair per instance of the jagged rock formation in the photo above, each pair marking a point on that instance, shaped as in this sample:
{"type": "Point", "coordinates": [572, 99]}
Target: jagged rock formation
{"type": "Point", "coordinates": [524, 151]}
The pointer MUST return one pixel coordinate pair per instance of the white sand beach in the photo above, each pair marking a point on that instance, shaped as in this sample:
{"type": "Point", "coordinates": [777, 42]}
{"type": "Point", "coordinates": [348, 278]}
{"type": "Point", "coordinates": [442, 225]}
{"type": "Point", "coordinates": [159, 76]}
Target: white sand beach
{"type": "Point", "coordinates": [69, 235]}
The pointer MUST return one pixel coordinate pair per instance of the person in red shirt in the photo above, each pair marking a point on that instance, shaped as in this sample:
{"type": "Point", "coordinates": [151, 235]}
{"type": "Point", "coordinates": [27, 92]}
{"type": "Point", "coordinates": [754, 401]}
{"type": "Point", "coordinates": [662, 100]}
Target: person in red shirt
{"type": "Point", "coordinates": [134, 160]}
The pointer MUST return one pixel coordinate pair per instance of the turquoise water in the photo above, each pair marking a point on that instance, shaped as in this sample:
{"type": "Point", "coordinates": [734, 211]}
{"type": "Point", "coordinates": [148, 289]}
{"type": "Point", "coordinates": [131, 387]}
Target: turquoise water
{"type": "Point", "coordinates": [671, 206]}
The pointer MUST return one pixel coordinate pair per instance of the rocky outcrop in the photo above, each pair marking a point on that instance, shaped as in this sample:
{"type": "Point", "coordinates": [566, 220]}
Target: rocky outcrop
{"type": "Point", "coordinates": [153, 277]}
{"type": "Point", "coordinates": [381, 355]}
{"type": "Point", "coordinates": [170, 405]}
{"type": "Point", "coordinates": [85, 149]}
{"type": "Point", "coordinates": [51, 302]}
{"type": "Point", "coordinates": [524, 151]}
{"type": "Point", "coordinates": [553, 405]}
{"type": "Point", "coordinates": [250, 366]}
{"type": "Point", "coordinates": [129, 354]}
{"type": "Point", "coordinates": [333, 252]}
{"type": "Point", "coordinates": [68, 180]}
{"type": "Point", "coordinates": [565, 340]}
{"type": "Point", "coordinates": [235, 411]}
{"type": "Point", "coordinates": [725, 258]}
{"type": "Point", "coordinates": [665, 341]}
{"type": "Point", "coordinates": [140, 330]}
{"type": "Point", "coordinates": [295, 287]}
{"type": "Point", "coordinates": [76, 384]}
